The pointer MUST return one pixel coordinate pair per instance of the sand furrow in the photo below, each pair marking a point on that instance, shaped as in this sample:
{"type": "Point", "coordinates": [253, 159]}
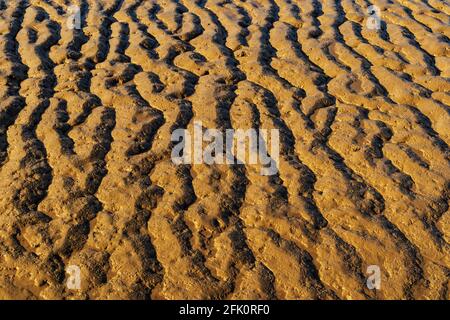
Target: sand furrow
{"type": "Point", "coordinates": [91, 112]}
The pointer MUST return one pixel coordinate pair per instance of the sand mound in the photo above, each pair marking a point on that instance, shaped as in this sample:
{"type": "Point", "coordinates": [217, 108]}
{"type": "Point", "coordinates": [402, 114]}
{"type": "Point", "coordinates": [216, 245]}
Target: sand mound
{"type": "Point", "coordinates": [86, 176]}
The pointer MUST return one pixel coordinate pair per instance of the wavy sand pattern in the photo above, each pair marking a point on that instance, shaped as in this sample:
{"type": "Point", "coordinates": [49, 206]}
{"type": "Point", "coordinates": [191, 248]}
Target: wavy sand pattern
{"type": "Point", "coordinates": [86, 176]}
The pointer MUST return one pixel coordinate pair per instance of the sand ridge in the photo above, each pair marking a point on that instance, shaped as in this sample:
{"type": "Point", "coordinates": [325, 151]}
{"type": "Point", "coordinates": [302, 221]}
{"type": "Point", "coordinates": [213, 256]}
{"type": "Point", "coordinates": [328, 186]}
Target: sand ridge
{"type": "Point", "coordinates": [86, 177]}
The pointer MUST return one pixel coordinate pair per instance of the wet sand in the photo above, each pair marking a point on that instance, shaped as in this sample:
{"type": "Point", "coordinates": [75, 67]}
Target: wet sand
{"type": "Point", "coordinates": [86, 175]}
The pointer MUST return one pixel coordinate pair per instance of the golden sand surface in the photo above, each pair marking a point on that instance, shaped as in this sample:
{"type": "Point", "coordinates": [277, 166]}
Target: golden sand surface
{"type": "Point", "coordinates": [86, 176]}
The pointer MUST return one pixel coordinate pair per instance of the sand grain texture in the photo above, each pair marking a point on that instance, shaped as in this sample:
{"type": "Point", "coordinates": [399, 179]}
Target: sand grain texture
{"type": "Point", "coordinates": [86, 177]}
